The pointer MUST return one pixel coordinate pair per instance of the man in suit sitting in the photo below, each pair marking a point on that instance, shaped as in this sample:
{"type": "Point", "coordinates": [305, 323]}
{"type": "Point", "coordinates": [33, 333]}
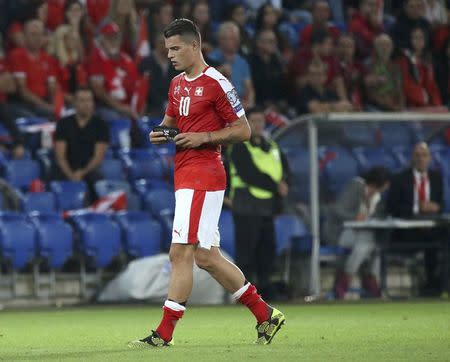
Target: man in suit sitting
{"type": "Point", "coordinates": [418, 192]}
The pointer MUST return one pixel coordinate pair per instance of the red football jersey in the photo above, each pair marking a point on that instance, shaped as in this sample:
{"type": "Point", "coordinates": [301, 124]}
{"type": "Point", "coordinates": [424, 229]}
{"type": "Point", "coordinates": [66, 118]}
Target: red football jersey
{"type": "Point", "coordinates": [202, 104]}
{"type": "Point", "coordinates": [119, 76]}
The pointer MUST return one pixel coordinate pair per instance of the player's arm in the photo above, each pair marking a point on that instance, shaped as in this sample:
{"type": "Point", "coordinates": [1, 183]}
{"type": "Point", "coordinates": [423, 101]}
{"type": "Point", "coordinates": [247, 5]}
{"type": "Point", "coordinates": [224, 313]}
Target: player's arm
{"type": "Point", "coordinates": [237, 131]}
{"type": "Point", "coordinates": [158, 138]}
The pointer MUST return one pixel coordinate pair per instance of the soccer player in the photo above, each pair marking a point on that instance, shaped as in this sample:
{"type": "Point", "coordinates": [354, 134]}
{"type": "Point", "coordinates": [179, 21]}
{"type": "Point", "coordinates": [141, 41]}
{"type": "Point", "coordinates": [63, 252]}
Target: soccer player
{"type": "Point", "coordinates": [205, 107]}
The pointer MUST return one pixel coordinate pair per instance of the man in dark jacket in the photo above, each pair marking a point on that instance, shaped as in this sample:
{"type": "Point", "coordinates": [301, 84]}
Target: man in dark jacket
{"type": "Point", "coordinates": [258, 181]}
{"type": "Point", "coordinates": [418, 192]}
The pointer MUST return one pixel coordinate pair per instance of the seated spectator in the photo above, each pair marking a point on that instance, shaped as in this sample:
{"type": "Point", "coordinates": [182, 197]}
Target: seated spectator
{"type": "Point", "coordinates": [201, 17]}
{"type": "Point", "coordinates": [382, 80]}
{"type": "Point", "coordinates": [238, 15]}
{"type": "Point", "coordinates": [411, 17]}
{"type": "Point", "coordinates": [442, 70]}
{"type": "Point", "coordinates": [418, 191]}
{"type": "Point", "coordinates": [435, 13]}
{"type": "Point", "coordinates": [8, 86]}
{"type": "Point", "coordinates": [365, 25]}
{"type": "Point", "coordinates": [160, 16]}
{"type": "Point", "coordinates": [161, 72]}
{"type": "Point", "coordinates": [124, 14]}
{"type": "Point", "coordinates": [35, 73]}
{"type": "Point", "coordinates": [227, 52]}
{"type": "Point", "coordinates": [360, 200]}
{"type": "Point", "coordinates": [81, 141]}
{"type": "Point", "coordinates": [267, 69]}
{"type": "Point", "coordinates": [320, 17]}
{"type": "Point", "coordinates": [315, 97]}
{"type": "Point", "coordinates": [350, 69]}
{"type": "Point", "coordinates": [322, 48]}
{"type": "Point", "coordinates": [71, 72]}
{"type": "Point", "coordinates": [112, 75]}
{"type": "Point", "coordinates": [268, 18]}
{"type": "Point", "coordinates": [419, 85]}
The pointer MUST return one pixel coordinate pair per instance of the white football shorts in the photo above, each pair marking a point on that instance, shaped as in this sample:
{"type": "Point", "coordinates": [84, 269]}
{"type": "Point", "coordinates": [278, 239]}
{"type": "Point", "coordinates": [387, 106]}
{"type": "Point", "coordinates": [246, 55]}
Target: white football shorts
{"type": "Point", "coordinates": [196, 217]}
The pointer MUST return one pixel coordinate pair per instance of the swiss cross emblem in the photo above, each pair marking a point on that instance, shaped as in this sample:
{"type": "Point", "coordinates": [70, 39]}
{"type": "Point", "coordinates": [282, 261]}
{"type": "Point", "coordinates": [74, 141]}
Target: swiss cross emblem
{"type": "Point", "coordinates": [198, 91]}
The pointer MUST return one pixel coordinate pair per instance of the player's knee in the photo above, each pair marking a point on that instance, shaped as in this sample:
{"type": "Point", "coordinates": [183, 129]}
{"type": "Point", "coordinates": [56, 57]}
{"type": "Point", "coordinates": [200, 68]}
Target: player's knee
{"type": "Point", "coordinates": [204, 260]}
{"type": "Point", "coordinates": [180, 254]}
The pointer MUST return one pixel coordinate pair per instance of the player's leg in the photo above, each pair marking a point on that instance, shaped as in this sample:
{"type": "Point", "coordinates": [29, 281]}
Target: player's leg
{"type": "Point", "coordinates": [182, 259]}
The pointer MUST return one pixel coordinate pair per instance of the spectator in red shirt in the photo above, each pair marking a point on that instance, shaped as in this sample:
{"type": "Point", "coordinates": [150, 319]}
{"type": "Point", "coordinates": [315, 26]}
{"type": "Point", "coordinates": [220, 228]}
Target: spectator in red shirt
{"type": "Point", "coordinates": [112, 75]}
{"type": "Point", "coordinates": [97, 10]}
{"type": "Point", "coordinates": [8, 86]}
{"type": "Point", "coordinates": [322, 48]}
{"type": "Point", "coordinates": [124, 14]}
{"type": "Point", "coordinates": [350, 69]}
{"type": "Point", "coordinates": [320, 17]}
{"type": "Point", "coordinates": [55, 13]}
{"type": "Point", "coordinates": [34, 71]}
{"type": "Point", "coordinates": [365, 25]}
{"type": "Point", "coordinates": [419, 85]}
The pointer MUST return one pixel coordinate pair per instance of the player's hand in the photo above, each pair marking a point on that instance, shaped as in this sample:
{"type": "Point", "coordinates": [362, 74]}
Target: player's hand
{"type": "Point", "coordinates": [190, 139]}
{"type": "Point", "coordinates": [157, 138]}
{"type": "Point", "coordinates": [283, 189]}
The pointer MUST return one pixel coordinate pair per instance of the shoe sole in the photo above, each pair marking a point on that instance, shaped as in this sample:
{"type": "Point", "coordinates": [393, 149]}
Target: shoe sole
{"type": "Point", "coordinates": [276, 330]}
{"type": "Point", "coordinates": [142, 345]}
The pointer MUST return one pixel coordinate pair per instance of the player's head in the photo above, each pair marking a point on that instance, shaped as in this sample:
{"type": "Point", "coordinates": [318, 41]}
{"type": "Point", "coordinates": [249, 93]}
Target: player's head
{"type": "Point", "coordinates": [256, 120]}
{"type": "Point", "coordinates": [378, 178]}
{"type": "Point", "coordinates": [183, 43]}
{"type": "Point", "coordinates": [84, 102]}
{"type": "Point", "coordinates": [421, 157]}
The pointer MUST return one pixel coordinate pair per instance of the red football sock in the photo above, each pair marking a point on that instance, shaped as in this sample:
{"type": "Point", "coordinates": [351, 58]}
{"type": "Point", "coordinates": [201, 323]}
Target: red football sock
{"type": "Point", "coordinates": [169, 319]}
{"type": "Point", "coordinates": [254, 302]}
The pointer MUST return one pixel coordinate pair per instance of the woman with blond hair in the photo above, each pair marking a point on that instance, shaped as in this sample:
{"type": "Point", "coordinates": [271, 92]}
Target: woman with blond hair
{"type": "Point", "coordinates": [124, 14]}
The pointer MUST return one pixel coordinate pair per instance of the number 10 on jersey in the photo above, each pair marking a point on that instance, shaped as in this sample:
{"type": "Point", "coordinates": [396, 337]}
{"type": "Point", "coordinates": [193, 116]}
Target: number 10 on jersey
{"type": "Point", "coordinates": [185, 102]}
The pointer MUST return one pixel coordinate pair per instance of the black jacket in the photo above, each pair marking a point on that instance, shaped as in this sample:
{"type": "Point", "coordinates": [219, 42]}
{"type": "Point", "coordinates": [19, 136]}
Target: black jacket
{"type": "Point", "coordinates": [400, 201]}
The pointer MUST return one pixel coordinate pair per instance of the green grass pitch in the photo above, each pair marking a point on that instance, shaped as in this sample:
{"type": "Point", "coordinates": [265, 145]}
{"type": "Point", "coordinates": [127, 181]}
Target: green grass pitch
{"type": "Point", "coordinates": [409, 331]}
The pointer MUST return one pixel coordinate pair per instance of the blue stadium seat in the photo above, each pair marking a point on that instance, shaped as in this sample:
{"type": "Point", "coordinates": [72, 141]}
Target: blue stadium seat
{"type": "Point", "coordinates": [119, 130]}
{"type": "Point", "coordinates": [370, 157]}
{"type": "Point", "coordinates": [39, 201]}
{"type": "Point", "coordinates": [145, 126]}
{"type": "Point", "coordinates": [226, 229]}
{"type": "Point", "coordinates": [338, 168]}
{"type": "Point", "coordinates": [54, 238]}
{"type": "Point", "coordinates": [17, 239]}
{"type": "Point", "coordinates": [142, 163]}
{"type": "Point", "coordinates": [396, 134]}
{"type": "Point", "coordinates": [104, 187]}
{"type": "Point", "coordinates": [20, 173]}
{"type": "Point", "coordinates": [141, 233]}
{"type": "Point", "coordinates": [143, 186]}
{"type": "Point", "coordinates": [112, 169]}
{"type": "Point", "coordinates": [298, 160]}
{"type": "Point", "coordinates": [70, 195]}
{"type": "Point", "coordinates": [46, 159]}
{"type": "Point", "coordinates": [402, 155]}
{"type": "Point", "coordinates": [99, 238]}
{"type": "Point", "coordinates": [291, 232]}
{"type": "Point", "coordinates": [359, 134]}
{"type": "Point", "coordinates": [32, 139]}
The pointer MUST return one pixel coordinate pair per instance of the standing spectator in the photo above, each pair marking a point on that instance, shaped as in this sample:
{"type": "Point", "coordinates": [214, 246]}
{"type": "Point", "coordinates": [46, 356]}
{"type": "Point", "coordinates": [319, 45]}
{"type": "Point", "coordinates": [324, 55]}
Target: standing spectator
{"type": "Point", "coordinates": [81, 142]}
{"type": "Point", "coordinates": [350, 69]}
{"type": "Point", "coordinates": [418, 191]}
{"type": "Point", "coordinates": [419, 85]}
{"type": "Point", "coordinates": [112, 75]}
{"type": "Point", "coordinates": [200, 16]}
{"type": "Point", "coordinates": [435, 13]}
{"type": "Point", "coordinates": [442, 69]}
{"type": "Point", "coordinates": [238, 15]}
{"type": "Point", "coordinates": [360, 200]}
{"type": "Point", "coordinates": [160, 72]}
{"type": "Point", "coordinates": [160, 16]}
{"type": "Point", "coordinates": [8, 86]}
{"type": "Point", "coordinates": [268, 18]}
{"type": "Point", "coordinates": [71, 72]}
{"type": "Point", "coordinates": [411, 17]}
{"type": "Point", "coordinates": [227, 52]}
{"type": "Point", "coordinates": [320, 17]}
{"type": "Point", "coordinates": [123, 13]}
{"type": "Point", "coordinates": [258, 181]}
{"type": "Point", "coordinates": [383, 80]}
{"type": "Point", "coordinates": [267, 69]}
{"type": "Point", "coordinates": [365, 25]}
{"type": "Point", "coordinates": [322, 49]}
{"type": "Point", "coordinates": [34, 71]}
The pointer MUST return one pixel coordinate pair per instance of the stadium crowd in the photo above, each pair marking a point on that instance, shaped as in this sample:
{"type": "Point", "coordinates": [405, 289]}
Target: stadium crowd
{"type": "Point", "coordinates": [288, 57]}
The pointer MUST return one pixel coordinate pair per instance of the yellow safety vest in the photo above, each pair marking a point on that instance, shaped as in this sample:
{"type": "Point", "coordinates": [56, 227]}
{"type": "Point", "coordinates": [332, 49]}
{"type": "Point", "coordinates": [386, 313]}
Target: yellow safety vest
{"type": "Point", "coordinates": [266, 162]}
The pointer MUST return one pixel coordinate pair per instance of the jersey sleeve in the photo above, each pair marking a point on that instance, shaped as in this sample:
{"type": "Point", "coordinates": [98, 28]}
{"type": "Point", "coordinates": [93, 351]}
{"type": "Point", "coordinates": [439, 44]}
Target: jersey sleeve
{"type": "Point", "coordinates": [227, 103]}
{"type": "Point", "coordinates": [169, 109]}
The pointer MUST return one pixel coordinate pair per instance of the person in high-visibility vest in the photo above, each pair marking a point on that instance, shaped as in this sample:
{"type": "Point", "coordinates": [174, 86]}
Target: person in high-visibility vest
{"type": "Point", "coordinates": [258, 174]}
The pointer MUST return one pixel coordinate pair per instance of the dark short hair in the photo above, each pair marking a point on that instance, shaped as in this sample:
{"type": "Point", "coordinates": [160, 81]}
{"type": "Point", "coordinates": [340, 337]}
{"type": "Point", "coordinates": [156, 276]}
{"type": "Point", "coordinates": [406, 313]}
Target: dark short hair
{"type": "Point", "coordinates": [377, 176]}
{"type": "Point", "coordinates": [182, 27]}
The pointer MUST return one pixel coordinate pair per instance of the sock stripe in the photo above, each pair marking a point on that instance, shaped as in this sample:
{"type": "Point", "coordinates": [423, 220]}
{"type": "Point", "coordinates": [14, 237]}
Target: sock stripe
{"type": "Point", "coordinates": [174, 306]}
{"type": "Point", "coordinates": [236, 295]}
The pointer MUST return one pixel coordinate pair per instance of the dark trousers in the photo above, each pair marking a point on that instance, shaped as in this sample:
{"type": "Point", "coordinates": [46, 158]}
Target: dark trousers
{"type": "Point", "coordinates": [255, 247]}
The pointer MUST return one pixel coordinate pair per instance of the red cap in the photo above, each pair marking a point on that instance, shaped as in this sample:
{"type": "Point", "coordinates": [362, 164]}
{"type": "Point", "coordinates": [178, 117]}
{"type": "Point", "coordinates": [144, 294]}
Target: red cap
{"type": "Point", "coordinates": [109, 29]}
